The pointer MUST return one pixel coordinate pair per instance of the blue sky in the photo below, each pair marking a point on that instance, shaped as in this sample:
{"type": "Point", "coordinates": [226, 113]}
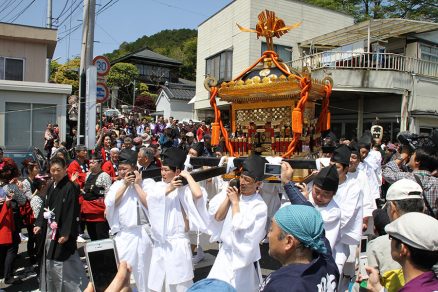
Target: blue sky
{"type": "Point", "coordinates": [119, 21]}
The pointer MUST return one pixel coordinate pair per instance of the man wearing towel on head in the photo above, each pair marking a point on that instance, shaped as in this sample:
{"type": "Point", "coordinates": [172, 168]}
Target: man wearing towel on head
{"type": "Point", "coordinates": [239, 219]}
{"type": "Point", "coordinates": [320, 196]}
{"type": "Point", "coordinates": [296, 241]}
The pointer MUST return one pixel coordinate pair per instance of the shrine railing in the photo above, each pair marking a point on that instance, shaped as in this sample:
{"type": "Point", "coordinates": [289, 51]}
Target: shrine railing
{"type": "Point", "coordinates": [369, 61]}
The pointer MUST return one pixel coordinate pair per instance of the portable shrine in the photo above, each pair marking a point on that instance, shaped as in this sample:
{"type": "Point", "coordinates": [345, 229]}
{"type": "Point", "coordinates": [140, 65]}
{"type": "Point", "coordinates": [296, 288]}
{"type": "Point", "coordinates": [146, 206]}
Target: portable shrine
{"type": "Point", "coordinates": [272, 105]}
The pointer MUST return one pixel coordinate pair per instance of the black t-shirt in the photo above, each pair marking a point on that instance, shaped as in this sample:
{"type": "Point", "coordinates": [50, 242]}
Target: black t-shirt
{"type": "Point", "coordinates": [320, 275]}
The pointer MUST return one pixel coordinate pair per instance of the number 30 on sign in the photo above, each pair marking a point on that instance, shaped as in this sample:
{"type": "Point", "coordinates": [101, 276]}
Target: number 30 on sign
{"type": "Point", "coordinates": [102, 65]}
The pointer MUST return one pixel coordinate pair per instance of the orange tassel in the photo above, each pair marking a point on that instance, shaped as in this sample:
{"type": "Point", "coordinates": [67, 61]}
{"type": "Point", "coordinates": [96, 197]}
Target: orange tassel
{"type": "Point", "coordinates": [215, 134]}
{"type": "Point", "coordinates": [328, 121]}
{"type": "Point", "coordinates": [297, 121]}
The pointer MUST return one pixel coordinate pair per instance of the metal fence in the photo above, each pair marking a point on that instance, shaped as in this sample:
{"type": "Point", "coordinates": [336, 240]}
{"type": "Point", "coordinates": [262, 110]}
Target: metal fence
{"type": "Point", "coordinates": [369, 61]}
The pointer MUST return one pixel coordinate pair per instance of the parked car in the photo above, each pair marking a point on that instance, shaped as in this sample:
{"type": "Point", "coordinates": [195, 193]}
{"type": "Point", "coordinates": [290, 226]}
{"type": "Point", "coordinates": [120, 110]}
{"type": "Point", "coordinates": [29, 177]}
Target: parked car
{"type": "Point", "coordinates": [112, 112]}
{"type": "Point", "coordinates": [19, 155]}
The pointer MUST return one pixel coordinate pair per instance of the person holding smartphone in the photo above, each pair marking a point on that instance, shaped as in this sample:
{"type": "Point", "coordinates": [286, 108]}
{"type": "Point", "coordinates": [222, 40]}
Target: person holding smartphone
{"type": "Point", "coordinates": [128, 217]}
{"type": "Point", "coordinates": [239, 223]}
{"type": "Point", "coordinates": [175, 209]}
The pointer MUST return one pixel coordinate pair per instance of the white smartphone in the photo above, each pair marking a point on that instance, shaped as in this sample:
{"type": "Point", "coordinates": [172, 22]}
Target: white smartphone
{"type": "Point", "coordinates": [272, 169]}
{"type": "Point", "coordinates": [363, 259]}
{"type": "Point", "coordinates": [102, 262]}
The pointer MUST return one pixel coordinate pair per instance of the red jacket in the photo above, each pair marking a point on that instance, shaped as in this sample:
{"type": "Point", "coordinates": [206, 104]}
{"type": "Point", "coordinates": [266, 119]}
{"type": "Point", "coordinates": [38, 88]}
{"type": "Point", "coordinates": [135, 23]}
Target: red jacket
{"type": "Point", "coordinates": [7, 226]}
{"type": "Point", "coordinates": [109, 168]}
{"type": "Point", "coordinates": [76, 167]}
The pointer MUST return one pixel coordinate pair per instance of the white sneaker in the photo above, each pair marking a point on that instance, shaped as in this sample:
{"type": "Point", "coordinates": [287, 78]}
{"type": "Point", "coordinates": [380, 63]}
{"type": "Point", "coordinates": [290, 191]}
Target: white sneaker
{"type": "Point", "coordinates": [199, 256]}
{"type": "Point", "coordinates": [23, 238]}
{"type": "Point", "coordinates": [80, 239]}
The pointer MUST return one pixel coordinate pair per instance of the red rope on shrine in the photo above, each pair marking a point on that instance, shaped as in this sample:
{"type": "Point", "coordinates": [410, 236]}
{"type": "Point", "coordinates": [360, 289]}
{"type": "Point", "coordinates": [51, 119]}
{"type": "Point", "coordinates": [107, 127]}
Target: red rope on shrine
{"type": "Point", "coordinates": [297, 113]}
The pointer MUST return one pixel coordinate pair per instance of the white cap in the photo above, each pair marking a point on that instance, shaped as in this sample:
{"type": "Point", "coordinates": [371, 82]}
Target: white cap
{"type": "Point", "coordinates": [415, 229]}
{"type": "Point", "coordinates": [404, 189]}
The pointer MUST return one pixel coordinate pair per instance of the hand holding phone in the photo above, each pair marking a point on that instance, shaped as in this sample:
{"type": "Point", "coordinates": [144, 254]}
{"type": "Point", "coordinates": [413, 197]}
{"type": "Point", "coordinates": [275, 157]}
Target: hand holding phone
{"type": "Point", "coordinates": [235, 182]}
{"type": "Point", "coordinates": [102, 263]}
{"type": "Point", "coordinates": [272, 169]}
{"type": "Point", "coordinates": [363, 259]}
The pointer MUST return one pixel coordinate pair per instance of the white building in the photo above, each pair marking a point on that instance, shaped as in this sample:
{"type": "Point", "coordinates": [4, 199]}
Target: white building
{"type": "Point", "coordinates": [391, 75]}
{"type": "Point", "coordinates": [224, 51]}
{"type": "Point", "coordinates": [27, 102]}
{"type": "Point", "coordinates": [173, 100]}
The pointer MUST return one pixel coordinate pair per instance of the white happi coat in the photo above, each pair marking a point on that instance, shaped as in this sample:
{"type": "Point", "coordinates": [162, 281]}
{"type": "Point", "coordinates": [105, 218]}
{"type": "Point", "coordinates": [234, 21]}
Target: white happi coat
{"type": "Point", "coordinates": [240, 236]}
{"type": "Point", "coordinates": [369, 202]}
{"type": "Point", "coordinates": [172, 256]}
{"type": "Point", "coordinates": [331, 216]}
{"type": "Point", "coordinates": [373, 170]}
{"type": "Point", "coordinates": [349, 198]}
{"type": "Point", "coordinates": [132, 241]}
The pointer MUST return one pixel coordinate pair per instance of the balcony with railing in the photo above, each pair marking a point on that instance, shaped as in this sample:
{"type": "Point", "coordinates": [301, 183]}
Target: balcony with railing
{"type": "Point", "coordinates": [366, 61]}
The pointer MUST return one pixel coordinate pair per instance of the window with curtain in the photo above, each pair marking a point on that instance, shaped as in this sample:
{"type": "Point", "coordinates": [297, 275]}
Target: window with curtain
{"type": "Point", "coordinates": [429, 53]}
{"type": "Point", "coordinates": [11, 69]}
{"type": "Point", "coordinates": [33, 120]}
{"type": "Point", "coordinates": [220, 65]}
{"type": "Point", "coordinates": [284, 52]}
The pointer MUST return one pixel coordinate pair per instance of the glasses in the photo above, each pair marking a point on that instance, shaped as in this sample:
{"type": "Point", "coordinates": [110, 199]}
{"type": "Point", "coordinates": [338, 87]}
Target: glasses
{"type": "Point", "coordinates": [94, 161]}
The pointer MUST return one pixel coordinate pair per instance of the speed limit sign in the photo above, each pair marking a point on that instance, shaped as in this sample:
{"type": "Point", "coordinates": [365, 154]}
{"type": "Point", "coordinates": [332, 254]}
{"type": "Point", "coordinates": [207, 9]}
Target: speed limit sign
{"type": "Point", "coordinates": [102, 65]}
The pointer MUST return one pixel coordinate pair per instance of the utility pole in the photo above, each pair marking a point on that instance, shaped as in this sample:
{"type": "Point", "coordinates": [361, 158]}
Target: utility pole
{"type": "Point", "coordinates": [48, 25]}
{"type": "Point", "coordinates": [86, 60]}
{"type": "Point", "coordinates": [133, 97]}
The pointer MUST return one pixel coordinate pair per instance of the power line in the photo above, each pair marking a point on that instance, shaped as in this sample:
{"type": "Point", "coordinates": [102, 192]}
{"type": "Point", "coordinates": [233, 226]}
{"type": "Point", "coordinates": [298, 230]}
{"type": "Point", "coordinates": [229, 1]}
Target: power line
{"type": "Point", "coordinates": [178, 7]}
{"type": "Point", "coordinates": [70, 14]}
{"type": "Point", "coordinates": [4, 17]}
{"type": "Point", "coordinates": [105, 7]}
{"type": "Point", "coordinates": [22, 11]}
{"type": "Point", "coordinates": [108, 5]}
{"type": "Point", "coordinates": [63, 9]}
{"type": "Point", "coordinates": [4, 5]}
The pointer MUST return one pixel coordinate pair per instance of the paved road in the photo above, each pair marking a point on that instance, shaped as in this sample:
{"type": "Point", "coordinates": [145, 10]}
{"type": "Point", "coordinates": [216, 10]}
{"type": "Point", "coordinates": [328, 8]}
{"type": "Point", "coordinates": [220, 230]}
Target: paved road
{"type": "Point", "coordinates": [30, 282]}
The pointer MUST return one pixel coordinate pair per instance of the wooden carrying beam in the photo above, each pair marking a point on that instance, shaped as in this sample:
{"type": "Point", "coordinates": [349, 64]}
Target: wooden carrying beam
{"type": "Point", "coordinates": [214, 161]}
{"type": "Point", "coordinates": [201, 175]}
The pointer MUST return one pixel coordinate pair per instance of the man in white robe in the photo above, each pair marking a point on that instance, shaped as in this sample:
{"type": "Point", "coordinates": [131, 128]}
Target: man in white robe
{"type": "Point", "coordinates": [174, 210]}
{"type": "Point", "coordinates": [320, 196]}
{"type": "Point", "coordinates": [239, 223]}
{"type": "Point", "coordinates": [349, 197]}
{"type": "Point", "coordinates": [127, 215]}
{"type": "Point", "coordinates": [369, 200]}
{"type": "Point", "coordinates": [371, 164]}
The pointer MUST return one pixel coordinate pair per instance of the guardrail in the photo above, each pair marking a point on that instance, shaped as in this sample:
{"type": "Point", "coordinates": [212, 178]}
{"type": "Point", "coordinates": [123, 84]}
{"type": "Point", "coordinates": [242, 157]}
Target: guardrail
{"type": "Point", "coordinates": [369, 61]}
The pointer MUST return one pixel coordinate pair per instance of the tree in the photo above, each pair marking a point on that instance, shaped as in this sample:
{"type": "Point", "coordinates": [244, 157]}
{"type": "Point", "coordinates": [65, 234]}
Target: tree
{"type": "Point", "coordinates": [67, 73]}
{"type": "Point", "coordinates": [188, 70]}
{"type": "Point", "coordinates": [123, 76]}
{"type": "Point", "coordinates": [145, 103]}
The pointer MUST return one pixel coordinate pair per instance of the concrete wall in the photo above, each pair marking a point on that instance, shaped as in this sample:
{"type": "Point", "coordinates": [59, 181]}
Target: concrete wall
{"type": "Point", "coordinates": [34, 55]}
{"type": "Point", "coordinates": [367, 80]}
{"type": "Point", "coordinates": [179, 109]}
{"type": "Point", "coordinates": [52, 95]}
{"type": "Point", "coordinates": [425, 93]}
{"type": "Point", "coordinates": [163, 104]}
{"type": "Point", "coordinates": [220, 32]}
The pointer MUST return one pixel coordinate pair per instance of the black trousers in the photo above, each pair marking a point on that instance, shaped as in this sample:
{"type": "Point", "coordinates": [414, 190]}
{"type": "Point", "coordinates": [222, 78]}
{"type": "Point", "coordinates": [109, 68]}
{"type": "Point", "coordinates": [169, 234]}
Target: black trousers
{"type": "Point", "coordinates": [98, 230]}
{"type": "Point", "coordinates": [31, 245]}
{"type": "Point", "coordinates": [8, 253]}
